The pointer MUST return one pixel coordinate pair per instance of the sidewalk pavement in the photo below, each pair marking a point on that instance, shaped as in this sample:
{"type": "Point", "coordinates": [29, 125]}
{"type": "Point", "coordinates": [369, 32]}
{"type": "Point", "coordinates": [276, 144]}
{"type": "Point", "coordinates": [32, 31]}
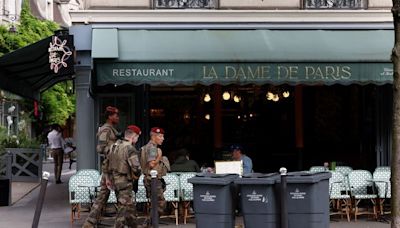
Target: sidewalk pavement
{"type": "Point", "coordinates": [56, 208]}
{"type": "Point", "coordinates": [21, 189]}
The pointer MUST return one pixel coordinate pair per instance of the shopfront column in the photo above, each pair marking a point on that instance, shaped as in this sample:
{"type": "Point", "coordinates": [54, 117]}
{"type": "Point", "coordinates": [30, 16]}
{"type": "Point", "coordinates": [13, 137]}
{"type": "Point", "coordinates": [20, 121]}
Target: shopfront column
{"type": "Point", "coordinates": [85, 130]}
{"type": "Point", "coordinates": [299, 126]}
{"type": "Point", "coordinates": [217, 117]}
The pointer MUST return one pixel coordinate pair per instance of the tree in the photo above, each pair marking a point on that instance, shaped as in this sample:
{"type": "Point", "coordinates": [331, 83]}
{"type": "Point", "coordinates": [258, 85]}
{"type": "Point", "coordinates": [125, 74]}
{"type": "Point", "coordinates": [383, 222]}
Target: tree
{"type": "Point", "coordinates": [28, 31]}
{"type": "Point", "coordinates": [395, 173]}
{"type": "Point", "coordinates": [56, 104]}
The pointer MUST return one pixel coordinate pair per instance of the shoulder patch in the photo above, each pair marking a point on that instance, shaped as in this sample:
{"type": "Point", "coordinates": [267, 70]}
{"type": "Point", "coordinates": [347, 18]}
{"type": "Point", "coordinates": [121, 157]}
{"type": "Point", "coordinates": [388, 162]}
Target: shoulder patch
{"type": "Point", "coordinates": [103, 136]}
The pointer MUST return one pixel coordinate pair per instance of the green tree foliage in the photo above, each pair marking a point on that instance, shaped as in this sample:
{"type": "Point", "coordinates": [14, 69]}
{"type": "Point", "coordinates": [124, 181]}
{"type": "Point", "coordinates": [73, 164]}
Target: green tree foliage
{"type": "Point", "coordinates": [29, 30]}
{"type": "Point", "coordinates": [58, 104]}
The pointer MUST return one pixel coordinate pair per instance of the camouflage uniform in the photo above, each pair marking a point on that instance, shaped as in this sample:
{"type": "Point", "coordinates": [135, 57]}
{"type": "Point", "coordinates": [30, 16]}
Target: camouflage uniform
{"type": "Point", "coordinates": [106, 137]}
{"type": "Point", "coordinates": [124, 167]}
{"type": "Point", "coordinates": [150, 151]}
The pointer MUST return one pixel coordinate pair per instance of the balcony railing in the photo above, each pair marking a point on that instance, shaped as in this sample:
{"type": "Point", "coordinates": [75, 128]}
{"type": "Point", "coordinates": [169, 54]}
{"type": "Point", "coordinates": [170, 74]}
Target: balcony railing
{"type": "Point", "coordinates": [185, 4]}
{"type": "Point", "coordinates": [335, 4]}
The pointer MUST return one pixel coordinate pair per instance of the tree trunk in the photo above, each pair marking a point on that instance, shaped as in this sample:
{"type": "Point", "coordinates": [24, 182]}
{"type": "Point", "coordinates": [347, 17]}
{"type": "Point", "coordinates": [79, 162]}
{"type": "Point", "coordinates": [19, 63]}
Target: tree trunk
{"type": "Point", "coordinates": [395, 175]}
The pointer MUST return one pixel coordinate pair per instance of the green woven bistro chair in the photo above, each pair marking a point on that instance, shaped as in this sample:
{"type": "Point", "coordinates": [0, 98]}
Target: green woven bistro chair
{"type": "Point", "coordinates": [316, 169]}
{"type": "Point", "coordinates": [360, 181]}
{"type": "Point", "coordinates": [186, 192]}
{"type": "Point", "coordinates": [339, 195]}
{"type": "Point", "coordinates": [112, 198]}
{"type": "Point", "coordinates": [95, 174]}
{"type": "Point", "coordinates": [171, 193]}
{"type": "Point", "coordinates": [344, 169]}
{"type": "Point", "coordinates": [382, 168]}
{"type": "Point", "coordinates": [141, 197]}
{"type": "Point", "coordinates": [80, 192]}
{"type": "Point", "coordinates": [383, 186]}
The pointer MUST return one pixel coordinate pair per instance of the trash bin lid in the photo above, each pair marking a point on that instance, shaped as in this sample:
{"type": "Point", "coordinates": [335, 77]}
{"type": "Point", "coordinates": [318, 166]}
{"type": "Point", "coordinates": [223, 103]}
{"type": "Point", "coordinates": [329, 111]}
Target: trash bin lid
{"type": "Point", "coordinates": [306, 177]}
{"type": "Point", "coordinates": [212, 178]}
{"type": "Point", "coordinates": [258, 178]}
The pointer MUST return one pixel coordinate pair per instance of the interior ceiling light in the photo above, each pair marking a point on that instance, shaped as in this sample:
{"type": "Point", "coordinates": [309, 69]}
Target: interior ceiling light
{"type": "Point", "coordinates": [276, 98]}
{"type": "Point", "coordinates": [207, 117]}
{"type": "Point", "coordinates": [270, 96]}
{"type": "Point", "coordinates": [236, 98]}
{"type": "Point", "coordinates": [226, 96]}
{"type": "Point", "coordinates": [286, 94]}
{"type": "Point", "coordinates": [207, 98]}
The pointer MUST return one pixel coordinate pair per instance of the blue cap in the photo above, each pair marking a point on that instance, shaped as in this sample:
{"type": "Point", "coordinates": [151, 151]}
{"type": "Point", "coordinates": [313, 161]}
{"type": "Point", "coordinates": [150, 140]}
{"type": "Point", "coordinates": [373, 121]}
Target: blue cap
{"type": "Point", "coordinates": [236, 147]}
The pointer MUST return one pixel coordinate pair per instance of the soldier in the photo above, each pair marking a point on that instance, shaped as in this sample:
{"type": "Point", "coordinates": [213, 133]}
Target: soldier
{"type": "Point", "coordinates": [107, 136]}
{"type": "Point", "coordinates": [151, 158]}
{"type": "Point", "coordinates": [124, 167]}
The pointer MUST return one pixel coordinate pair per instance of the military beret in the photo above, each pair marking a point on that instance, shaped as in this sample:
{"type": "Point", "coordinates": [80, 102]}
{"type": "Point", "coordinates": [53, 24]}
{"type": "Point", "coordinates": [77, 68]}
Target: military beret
{"type": "Point", "coordinates": [157, 130]}
{"type": "Point", "coordinates": [135, 129]}
{"type": "Point", "coordinates": [111, 109]}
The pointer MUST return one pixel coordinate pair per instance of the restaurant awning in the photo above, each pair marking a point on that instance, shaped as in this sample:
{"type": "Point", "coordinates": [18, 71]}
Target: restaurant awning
{"type": "Point", "coordinates": [170, 57]}
{"type": "Point", "coordinates": [32, 69]}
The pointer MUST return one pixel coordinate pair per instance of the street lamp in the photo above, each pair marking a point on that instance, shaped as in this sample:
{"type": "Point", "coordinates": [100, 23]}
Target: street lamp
{"type": "Point", "coordinates": [12, 28]}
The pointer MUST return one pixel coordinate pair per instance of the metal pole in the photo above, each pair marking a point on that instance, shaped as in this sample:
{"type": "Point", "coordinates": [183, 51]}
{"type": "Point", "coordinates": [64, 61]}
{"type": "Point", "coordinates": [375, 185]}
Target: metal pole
{"type": "Point", "coordinates": [284, 212]}
{"type": "Point", "coordinates": [39, 203]}
{"type": "Point", "coordinates": [9, 176]}
{"type": "Point", "coordinates": [154, 199]}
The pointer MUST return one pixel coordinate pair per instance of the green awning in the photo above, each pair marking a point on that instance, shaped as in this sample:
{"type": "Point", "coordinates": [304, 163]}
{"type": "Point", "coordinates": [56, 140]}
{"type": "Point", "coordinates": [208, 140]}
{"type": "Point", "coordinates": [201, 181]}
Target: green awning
{"type": "Point", "coordinates": [171, 57]}
{"type": "Point", "coordinates": [243, 73]}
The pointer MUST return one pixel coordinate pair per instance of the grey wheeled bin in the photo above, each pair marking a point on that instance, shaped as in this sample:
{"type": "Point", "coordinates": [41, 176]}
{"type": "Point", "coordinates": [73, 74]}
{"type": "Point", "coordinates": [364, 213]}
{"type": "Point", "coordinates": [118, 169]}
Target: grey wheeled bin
{"type": "Point", "coordinates": [259, 203]}
{"type": "Point", "coordinates": [308, 199]}
{"type": "Point", "coordinates": [214, 198]}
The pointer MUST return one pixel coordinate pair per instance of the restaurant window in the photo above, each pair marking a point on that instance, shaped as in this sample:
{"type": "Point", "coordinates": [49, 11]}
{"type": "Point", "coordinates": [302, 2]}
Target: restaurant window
{"type": "Point", "coordinates": [125, 105]}
{"type": "Point", "coordinates": [259, 117]}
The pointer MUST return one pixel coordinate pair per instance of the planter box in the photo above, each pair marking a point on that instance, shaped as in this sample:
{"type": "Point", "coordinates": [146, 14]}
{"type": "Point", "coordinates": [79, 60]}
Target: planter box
{"type": "Point", "coordinates": [5, 180]}
{"type": "Point", "coordinates": [26, 164]}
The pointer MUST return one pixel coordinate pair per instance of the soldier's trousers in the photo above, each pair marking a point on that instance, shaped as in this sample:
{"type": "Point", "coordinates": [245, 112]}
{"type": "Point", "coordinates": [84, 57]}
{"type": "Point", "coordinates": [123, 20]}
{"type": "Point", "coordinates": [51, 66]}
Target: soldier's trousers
{"type": "Point", "coordinates": [126, 216]}
{"type": "Point", "coordinates": [99, 204]}
{"type": "Point", "coordinates": [160, 193]}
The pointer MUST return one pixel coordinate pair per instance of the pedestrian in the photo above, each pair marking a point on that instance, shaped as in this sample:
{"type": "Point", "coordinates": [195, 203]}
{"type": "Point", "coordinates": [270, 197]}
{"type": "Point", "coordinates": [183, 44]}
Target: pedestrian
{"type": "Point", "coordinates": [56, 142]}
{"type": "Point", "coordinates": [151, 158]}
{"type": "Point", "coordinates": [124, 167]}
{"type": "Point", "coordinates": [107, 136]}
{"type": "Point", "coordinates": [69, 149]}
{"type": "Point", "coordinates": [183, 163]}
{"type": "Point", "coordinates": [237, 155]}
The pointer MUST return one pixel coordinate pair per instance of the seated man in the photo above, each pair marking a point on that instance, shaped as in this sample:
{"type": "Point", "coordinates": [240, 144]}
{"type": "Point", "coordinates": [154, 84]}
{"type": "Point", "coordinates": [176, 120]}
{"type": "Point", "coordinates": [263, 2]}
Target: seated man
{"type": "Point", "coordinates": [237, 155]}
{"type": "Point", "coordinates": [183, 163]}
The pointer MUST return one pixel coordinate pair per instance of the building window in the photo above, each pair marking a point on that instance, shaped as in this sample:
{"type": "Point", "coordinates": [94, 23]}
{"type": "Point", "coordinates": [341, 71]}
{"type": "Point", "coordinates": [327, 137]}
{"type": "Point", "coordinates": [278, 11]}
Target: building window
{"type": "Point", "coordinates": [185, 4]}
{"type": "Point", "coordinates": [335, 4]}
